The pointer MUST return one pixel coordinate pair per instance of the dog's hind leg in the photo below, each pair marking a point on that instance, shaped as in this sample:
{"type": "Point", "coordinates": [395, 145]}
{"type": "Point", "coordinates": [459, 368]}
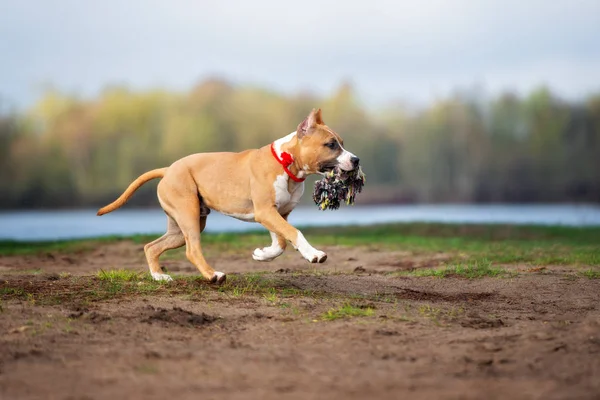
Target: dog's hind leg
{"type": "Point", "coordinates": [180, 200]}
{"type": "Point", "coordinates": [190, 225]}
{"type": "Point", "coordinates": [171, 240]}
{"type": "Point", "coordinates": [186, 212]}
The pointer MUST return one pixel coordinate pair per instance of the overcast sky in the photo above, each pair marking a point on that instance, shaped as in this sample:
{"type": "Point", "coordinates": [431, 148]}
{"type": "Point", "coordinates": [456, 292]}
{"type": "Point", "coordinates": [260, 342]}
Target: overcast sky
{"type": "Point", "coordinates": [414, 50]}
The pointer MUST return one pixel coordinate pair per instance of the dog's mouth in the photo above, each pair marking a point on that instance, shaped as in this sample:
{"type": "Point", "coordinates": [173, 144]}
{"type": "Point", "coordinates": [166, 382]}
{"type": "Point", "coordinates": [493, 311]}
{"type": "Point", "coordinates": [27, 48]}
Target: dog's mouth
{"type": "Point", "coordinates": [327, 167]}
{"type": "Point", "coordinates": [340, 173]}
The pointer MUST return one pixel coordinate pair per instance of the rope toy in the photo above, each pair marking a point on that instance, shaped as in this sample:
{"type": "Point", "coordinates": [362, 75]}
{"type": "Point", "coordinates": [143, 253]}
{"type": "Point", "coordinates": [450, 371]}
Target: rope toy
{"type": "Point", "coordinates": [338, 186]}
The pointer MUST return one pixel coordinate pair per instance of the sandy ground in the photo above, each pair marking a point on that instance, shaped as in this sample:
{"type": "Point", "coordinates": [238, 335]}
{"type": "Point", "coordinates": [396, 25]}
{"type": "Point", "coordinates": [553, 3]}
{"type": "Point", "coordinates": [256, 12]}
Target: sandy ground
{"type": "Point", "coordinates": [535, 335]}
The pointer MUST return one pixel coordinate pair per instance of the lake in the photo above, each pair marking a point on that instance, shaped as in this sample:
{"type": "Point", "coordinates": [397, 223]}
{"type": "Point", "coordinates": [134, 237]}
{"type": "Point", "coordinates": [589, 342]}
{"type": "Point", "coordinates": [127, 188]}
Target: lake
{"type": "Point", "coordinates": [52, 225]}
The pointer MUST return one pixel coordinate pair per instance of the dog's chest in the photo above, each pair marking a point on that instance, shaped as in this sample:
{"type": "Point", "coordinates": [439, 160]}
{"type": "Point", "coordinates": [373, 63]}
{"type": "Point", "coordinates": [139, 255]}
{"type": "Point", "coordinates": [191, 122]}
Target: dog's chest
{"type": "Point", "coordinates": [287, 195]}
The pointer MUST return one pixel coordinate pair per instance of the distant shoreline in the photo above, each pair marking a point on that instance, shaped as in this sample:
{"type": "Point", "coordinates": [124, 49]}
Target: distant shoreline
{"type": "Point", "coordinates": [305, 205]}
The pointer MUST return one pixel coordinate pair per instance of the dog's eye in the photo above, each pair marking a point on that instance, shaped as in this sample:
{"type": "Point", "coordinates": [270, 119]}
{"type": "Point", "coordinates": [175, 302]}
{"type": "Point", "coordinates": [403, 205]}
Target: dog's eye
{"type": "Point", "coordinates": [331, 145]}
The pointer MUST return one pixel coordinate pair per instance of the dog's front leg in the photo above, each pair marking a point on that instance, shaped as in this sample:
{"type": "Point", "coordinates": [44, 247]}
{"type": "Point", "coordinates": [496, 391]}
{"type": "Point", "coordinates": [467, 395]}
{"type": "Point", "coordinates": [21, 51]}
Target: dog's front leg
{"type": "Point", "coordinates": [270, 218]}
{"type": "Point", "coordinates": [278, 245]}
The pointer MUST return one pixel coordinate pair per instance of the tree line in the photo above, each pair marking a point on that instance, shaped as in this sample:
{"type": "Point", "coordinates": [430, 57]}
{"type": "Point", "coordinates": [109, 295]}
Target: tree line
{"type": "Point", "coordinates": [66, 151]}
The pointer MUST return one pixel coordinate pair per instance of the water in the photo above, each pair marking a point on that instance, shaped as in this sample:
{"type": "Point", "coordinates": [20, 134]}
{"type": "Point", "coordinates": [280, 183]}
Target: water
{"type": "Point", "coordinates": [51, 225]}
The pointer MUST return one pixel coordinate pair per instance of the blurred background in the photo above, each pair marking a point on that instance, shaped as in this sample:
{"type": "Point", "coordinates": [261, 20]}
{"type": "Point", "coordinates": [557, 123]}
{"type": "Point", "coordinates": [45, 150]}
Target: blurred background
{"type": "Point", "coordinates": [445, 101]}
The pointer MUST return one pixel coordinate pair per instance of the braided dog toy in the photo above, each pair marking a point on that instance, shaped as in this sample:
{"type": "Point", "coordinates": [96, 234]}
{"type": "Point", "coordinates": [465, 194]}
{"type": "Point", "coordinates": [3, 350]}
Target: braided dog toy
{"type": "Point", "coordinates": [338, 186]}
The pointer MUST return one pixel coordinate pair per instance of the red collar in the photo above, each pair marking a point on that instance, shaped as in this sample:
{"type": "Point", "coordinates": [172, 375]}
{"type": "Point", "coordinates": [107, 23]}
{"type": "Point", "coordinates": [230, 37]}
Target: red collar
{"type": "Point", "coordinates": [286, 160]}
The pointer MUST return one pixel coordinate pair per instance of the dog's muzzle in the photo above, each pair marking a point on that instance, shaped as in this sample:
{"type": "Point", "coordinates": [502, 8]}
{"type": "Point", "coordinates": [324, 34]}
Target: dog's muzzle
{"type": "Point", "coordinates": [347, 161]}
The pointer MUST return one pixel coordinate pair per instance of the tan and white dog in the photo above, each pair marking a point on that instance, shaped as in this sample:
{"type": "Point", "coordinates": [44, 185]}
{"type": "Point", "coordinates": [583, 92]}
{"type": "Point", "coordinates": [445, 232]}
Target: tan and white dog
{"type": "Point", "coordinates": [262, 185]}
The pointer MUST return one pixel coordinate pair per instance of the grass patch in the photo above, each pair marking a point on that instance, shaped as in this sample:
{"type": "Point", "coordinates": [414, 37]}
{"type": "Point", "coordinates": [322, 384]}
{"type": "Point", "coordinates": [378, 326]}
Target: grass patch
{"type": "Point", "coordinates": [260, 284]}
{"type": "Point", "coordinates": [346, 311]}
{"type": "Point", "coordinates": [36, 271]}
{"type": "Point", "coordinates": [438, 315]}
{"type": "Point", "coordinates": [121, 275]}
{"type": "Point", "coordinates": [501, 244]}
{"type": "Point", "coordinates": [430, 312]}
{"type": "Point", "coordinates": [11, 291]}
{"type": "Point", "coordinates": [147, 369]}
{"type": "Point", "coordinates": [15, 248]}
{"type": "Point", "coordinates": [591, 273]}
{"type": "Point", "coordinates": [112, 284]}
{"type": "Point", "coordinates": [470, 271]}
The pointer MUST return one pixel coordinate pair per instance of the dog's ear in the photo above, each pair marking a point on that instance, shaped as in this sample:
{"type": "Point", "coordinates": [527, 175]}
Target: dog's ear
{"type": "Point", "coordinates": [319, 118]}
{"type": "Point", "coordinates": [309, 123]}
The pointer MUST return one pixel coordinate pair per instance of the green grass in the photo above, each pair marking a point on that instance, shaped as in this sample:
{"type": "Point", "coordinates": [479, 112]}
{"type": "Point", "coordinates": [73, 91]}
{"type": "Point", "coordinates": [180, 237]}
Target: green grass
{"type": "Point", "coordinates": [439, 315]}
{"type": "Point", "coordinates": [36, 271]}
{"type": "Point", "coordinates": [11, 291]}
{"type": "Point", "coordinates": [496, 243]}
{"type": "Point", "coordinates": [591, 273]}
{"type": "Point", "coordinates": [13, 248]}
{"type": "Point", "coordinates": [499, 244]}
{"type": "Point", "coordinates": [122, 275]}
{"type": "Point", "coordinates": [346, 311]}
{"type": "Point", "coordinates": [472, 270]}
{"type": "Point", "coordinates": [121, 283]}
{"type": "Point", "coordinates": [147, 369]}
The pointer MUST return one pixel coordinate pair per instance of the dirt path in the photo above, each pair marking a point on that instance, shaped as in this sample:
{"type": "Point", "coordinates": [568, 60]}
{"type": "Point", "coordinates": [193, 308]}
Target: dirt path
{"type": "Point", "coordinates": [345, 330]}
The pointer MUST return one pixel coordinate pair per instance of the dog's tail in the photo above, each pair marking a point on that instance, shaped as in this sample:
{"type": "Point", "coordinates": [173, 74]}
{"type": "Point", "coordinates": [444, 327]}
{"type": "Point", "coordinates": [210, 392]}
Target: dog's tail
{"type": "Point", "coordinates": [135, 185]}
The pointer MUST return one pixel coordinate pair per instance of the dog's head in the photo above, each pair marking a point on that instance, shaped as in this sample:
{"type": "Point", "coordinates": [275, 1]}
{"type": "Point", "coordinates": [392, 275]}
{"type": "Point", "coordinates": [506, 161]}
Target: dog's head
{"type": "Point", "coordinates": [322, 149]}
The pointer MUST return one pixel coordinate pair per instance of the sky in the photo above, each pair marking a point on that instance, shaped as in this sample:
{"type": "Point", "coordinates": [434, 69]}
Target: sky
{"type": "Point", "coordinates": [408, 50]}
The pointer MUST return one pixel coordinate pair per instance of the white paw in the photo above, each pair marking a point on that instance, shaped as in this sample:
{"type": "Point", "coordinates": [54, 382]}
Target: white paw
{"type": "Point", "coordinates": [315, 256]}
{"type": "Point", "coordinates": [161, 277]}
{"type": "Point", "coordinates": [218, 278]}
{"type": "Point", "coordinates": [308, 252]}
{"type": "Point", "coordinates": [267, 253]}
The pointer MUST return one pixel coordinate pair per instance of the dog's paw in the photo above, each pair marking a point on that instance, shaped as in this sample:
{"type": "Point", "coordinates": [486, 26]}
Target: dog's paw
{"type": "Point", "coordinates": [309, 253]}
{"type": "Point", "coordinates": [266, 253]}
{"type": "Point", "coordinates": [218, 278]}
{"type": "Point", "coordinates": [161, 277]}
{"type": "Point", "coordinates": [316, 256]}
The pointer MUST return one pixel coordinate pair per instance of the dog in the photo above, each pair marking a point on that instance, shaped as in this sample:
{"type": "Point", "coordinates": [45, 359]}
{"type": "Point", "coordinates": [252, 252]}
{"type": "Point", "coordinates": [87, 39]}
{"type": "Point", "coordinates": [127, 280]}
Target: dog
{"type": "Point", "coordinates": [259, 185]}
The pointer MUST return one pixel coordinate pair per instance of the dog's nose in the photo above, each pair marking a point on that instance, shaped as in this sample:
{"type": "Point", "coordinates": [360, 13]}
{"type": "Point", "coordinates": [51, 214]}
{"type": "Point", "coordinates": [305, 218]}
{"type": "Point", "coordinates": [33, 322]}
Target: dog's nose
{"type": "Point", "coordinates": [355, 160]}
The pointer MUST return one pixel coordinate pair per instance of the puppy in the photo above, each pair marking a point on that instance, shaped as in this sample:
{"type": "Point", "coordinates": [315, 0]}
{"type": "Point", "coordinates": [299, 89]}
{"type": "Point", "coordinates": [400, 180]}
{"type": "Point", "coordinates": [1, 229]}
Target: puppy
{"type": "Point", "coordinates": [259, 185]}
